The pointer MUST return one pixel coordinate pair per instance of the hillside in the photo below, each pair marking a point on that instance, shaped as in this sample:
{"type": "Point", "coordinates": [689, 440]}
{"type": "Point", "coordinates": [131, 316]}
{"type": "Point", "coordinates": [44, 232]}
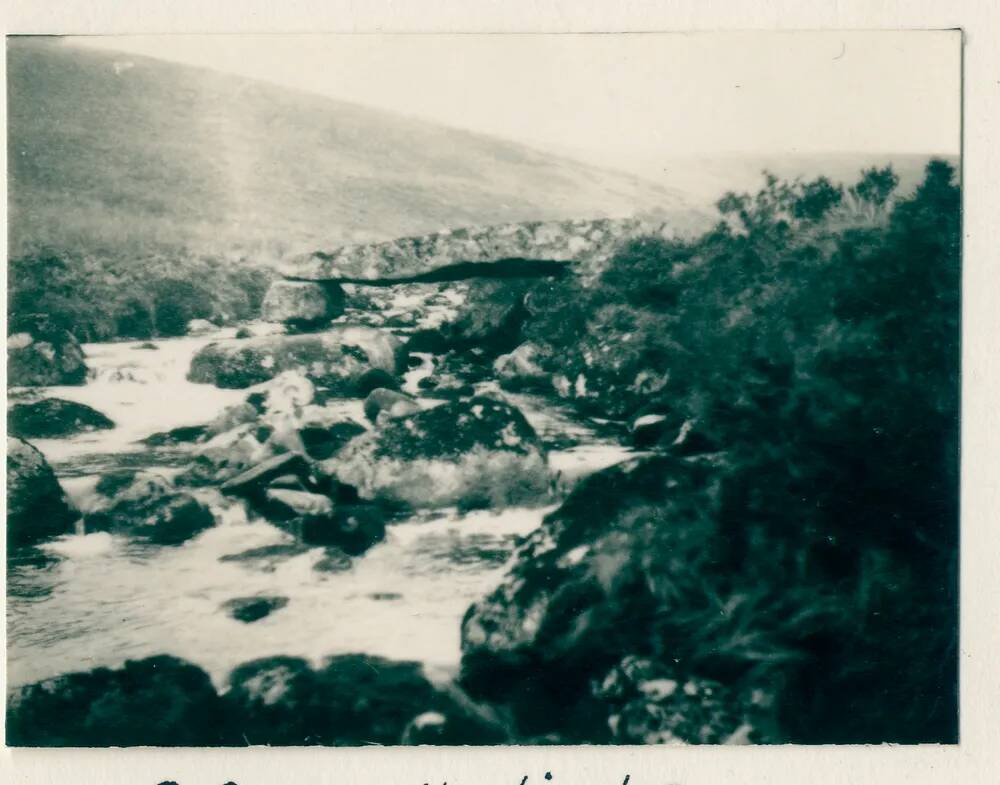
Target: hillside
{"type": "Point", "coordinates": [703, 179]}
{"type": "Point", "coordinates": [112, 153]}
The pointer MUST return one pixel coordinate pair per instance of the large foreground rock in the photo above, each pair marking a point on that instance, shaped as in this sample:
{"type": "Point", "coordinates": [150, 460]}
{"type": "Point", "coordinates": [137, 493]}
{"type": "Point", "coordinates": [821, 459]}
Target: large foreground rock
{"type": "Point", "coordinates": [160, 701]}
{"type": "Point", "coordinates": [302, 303]}
{"type": "Point", "coordinates": [353, 699]}
{"type": "Point", "coordinates": [40, 354]}
{"type": "Point", "coordinates": [506, 250]}
{"type": "Point", "coordinates": [336, 359]}
{"type": "Point", "coordinates": [36, 505]}
{"type": "Point", "coordinates": [475, 453]}
{"type": "Point", "coordinates": [627, 555]}
{"type": "Point", "coordinates": [53, 418]}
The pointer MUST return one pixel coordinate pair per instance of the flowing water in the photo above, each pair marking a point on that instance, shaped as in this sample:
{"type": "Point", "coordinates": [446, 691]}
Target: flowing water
{"type": "Point", "coordinates": [96, 599]}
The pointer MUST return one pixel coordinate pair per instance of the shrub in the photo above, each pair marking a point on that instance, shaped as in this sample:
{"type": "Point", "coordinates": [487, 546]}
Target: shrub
{"type": "Point", "coordinates": [818, 345]}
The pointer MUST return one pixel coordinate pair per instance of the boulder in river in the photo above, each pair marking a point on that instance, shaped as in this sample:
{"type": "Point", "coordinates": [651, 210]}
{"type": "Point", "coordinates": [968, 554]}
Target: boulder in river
{"type": "Point", "coordinates": [251, 609]}
{"type": "Point", "coordinates": [506, 250]}
{"type": "Point", "coordinates": [389, 403]}
{"type": "Point", "coordinates": [352, 528]}
{"type": "Point", "coordinates": [256, 479]}
{"type": "Point", "coordinates": [352, 699]}
{"type": "Point", "coordinates": [226, 455]}
{"type": "Point", "coordinates": [323, 440]}
{"type": "Point", "coordinates": [41, 354]}
{"type": "Point", "coordinates": [54, 418]}
{"type": "Point", "coordinates": [159, 701]}
{"type": "Point", "coordinates": [145, 505]}
{"type": "Point", "coordinates": [183, 434]}
{"type": "Point", "coordinates": [520, 370]}
{"type": "Point", "coordinates": [335, 359]}
{"type": "Point", "coordinates": [302, 303]}
{"type": "Point", "coordinates": [476, 453]}
{"type": "Point", "coordinates": [201, 327]}
{"type": "Point", "coordinates": [37, 508]}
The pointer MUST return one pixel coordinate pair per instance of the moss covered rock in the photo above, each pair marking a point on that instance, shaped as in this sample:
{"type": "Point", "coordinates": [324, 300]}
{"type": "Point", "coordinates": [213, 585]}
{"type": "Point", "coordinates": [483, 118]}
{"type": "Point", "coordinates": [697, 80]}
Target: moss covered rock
{"type": "Point", "coordinates": [336, 359]}
{"type": "Point", "coordinates": [37, 508]}
{"type": "Point", "coordinates": [40, 354]}
{"type": "Point", "coordinates": [145, 505]}
{"type": "Point", "coordinates": [53, 418]}
{"type": "Point", "coordinates": [476, 453]}
{"type": "Point", "coordinates": [159, 701]}
{"type": "Point", "coordinates": [352, 699]}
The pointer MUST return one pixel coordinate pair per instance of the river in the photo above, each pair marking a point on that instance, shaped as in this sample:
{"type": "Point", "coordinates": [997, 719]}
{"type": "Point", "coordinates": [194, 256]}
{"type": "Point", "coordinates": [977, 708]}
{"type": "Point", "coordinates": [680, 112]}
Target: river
{"type": "Point", "coordinates": [97, 599]}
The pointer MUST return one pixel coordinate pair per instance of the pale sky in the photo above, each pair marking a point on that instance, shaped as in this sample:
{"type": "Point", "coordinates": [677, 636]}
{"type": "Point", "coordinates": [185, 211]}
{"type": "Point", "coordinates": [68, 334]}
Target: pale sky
{"type": "Point", "coordinates": [620, 99]}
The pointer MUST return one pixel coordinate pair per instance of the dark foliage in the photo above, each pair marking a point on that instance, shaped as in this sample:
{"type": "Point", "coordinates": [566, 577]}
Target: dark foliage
{"type": "Point", "coordinates": [98, 297]}
{"type": "Point", "coordinates": [813, 336]}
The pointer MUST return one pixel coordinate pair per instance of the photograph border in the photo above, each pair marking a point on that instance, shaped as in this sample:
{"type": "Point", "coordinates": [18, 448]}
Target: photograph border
{"type": "Point", "coordinates": [972, 761]}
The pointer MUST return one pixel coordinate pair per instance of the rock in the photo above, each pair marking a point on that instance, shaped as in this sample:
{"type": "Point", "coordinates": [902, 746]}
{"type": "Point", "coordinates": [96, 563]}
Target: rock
{"type": "Point", "coordinates": [502, 251]}
{"type": "Point", "coordinates": [670, 433]}
{"type": "Point", "coordinates": [651, 429]}
{"type": "Point", "coordinates": [243, 413]}
{"type": "Point", "coordinates": [37, 508]}
{"type": "Point", "coordinates": [651, 703]}
{"type": "Point", "coordinates": [288, 482]}
{"type": "Point", "coordinates": [226, 455]}
{"type": "Point", "coordinates": [475, 453]}
{"type": "Point", "coordinates": [255, 480]}
{"type": "Point", "coordinates": [580, 594]}
{"type": "Point", "coordinates": [251, 609]}
{"type": "Point", "coordinates": [490, 318]}
{"type": "Point", "coordinates": [302, 304]}
{"type": "Point", "coordinates": [41, 354]}
{"type": "Point", "coordinates": [375, 379]}
{"type": "Point", "coordinates": [352, 699]}
{"type": "Point", "coordinates": [520, 370]}
{"type": "Point", "coordinates": [431, 727]}
{"type": "Point", "coordinates": [148, 346]}
{"type": "Point", "coordinates": [53, 418]}
{"type": "Point", "coordinates": [143, 504]}
{"type": "Point", "coordinates": [336, 359]}
{"type": "Point", "coordinates": [390, 403]}
{"type": "Point", "coordinates": [298, 503]}
{"type": "Point", "coordinates": [335, 561]}
{"type": "Point", "coordinates": [201, 327]}
{"type": "Point", "coordinates": [185, 434]}
{"type": "Point", "coordinates": [321, 441]}
{"type": "Point", "coordinates": [159, 701]}
{"type": "Point", "coordinates": [353, 528]}
{"type": "Point", "coordinates": [455, 375]}
{"type": "Point", "coordinates": [267, 557]}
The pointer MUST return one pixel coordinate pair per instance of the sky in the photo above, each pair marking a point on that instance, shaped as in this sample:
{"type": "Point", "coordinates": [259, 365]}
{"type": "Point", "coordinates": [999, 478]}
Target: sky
{"type": "Point", "coordinates": [624, 99]}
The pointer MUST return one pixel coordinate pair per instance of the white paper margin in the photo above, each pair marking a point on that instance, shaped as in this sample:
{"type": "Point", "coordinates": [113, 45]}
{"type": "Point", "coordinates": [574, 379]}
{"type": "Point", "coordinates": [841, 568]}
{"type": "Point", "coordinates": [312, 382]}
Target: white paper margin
{"type": "Point", "coordinates": [974, 761]}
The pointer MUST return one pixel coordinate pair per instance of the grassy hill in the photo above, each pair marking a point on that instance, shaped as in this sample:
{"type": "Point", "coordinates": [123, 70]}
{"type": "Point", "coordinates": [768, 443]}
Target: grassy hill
{"type": "Point", "coordinates": [113, 153]}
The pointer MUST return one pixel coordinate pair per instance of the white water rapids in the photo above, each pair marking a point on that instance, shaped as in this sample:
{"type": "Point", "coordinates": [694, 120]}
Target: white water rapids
{"type": "Point", "coordinates": [102, 599]}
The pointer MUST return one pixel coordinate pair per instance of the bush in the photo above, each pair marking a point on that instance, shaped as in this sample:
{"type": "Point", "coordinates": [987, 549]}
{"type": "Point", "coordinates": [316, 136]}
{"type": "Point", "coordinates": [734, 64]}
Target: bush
{"type": "Point", "coordinates": [815, 337]}
{"type": "Point", "coordinates": [100, 297]}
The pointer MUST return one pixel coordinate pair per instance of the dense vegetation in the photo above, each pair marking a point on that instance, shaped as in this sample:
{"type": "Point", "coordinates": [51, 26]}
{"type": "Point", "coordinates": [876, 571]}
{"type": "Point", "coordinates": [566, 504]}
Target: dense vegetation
{"type": "Point", "coordinates": [811, 342]}
{"type": "Point", "coordinates": [99, 297]}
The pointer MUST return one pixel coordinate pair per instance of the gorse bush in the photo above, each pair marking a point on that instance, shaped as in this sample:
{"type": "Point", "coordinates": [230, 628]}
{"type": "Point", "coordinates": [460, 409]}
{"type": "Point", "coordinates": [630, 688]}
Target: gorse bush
{"type": "Point", "coordinates": [99, 297]}
{"type": "Point", "coordinates": [812, 336]}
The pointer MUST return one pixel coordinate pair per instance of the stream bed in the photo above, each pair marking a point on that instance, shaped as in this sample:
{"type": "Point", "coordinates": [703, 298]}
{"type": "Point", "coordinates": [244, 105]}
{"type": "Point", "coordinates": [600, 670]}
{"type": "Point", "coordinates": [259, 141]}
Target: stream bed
{"type": "Point", "coordinates": [96, 599]}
